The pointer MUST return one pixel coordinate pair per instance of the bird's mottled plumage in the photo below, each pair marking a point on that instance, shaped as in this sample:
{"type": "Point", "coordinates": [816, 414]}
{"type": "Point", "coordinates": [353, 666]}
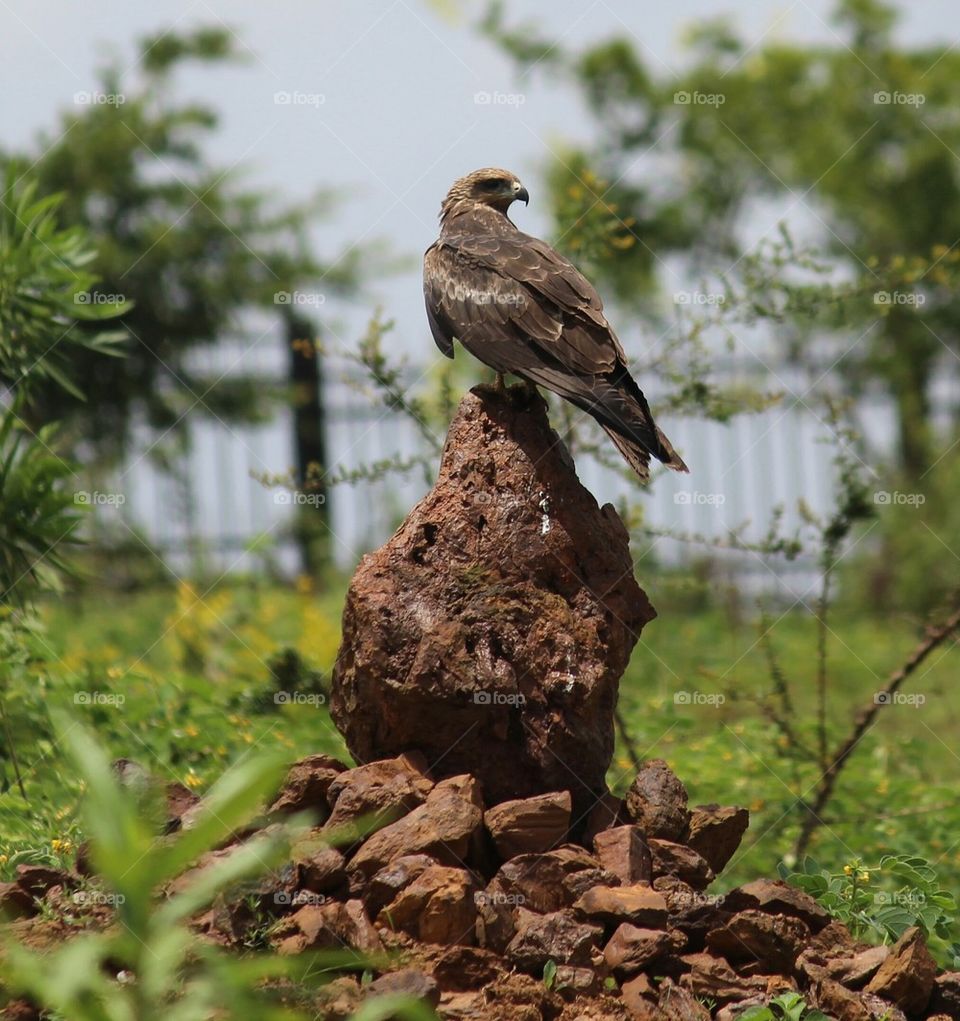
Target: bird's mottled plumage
{"type": "Point", "coordinates": [522, 308]}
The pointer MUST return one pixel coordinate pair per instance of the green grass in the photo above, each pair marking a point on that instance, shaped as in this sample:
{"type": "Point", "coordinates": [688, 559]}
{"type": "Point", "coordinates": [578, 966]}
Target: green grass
{"type": "Point", "coordinates": [897, 793]}
{"type": "Point", "coordinates": [197, 672]}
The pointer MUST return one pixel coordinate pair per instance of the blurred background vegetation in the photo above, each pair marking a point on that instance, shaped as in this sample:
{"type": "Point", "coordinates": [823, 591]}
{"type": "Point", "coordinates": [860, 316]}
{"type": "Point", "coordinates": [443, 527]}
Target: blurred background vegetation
{"type": "Point", "coordinates": [125, 251]}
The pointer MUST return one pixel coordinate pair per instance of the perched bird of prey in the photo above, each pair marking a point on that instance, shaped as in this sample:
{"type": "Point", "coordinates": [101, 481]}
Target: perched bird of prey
{"type": "Point", "coordinates": [522, 308]}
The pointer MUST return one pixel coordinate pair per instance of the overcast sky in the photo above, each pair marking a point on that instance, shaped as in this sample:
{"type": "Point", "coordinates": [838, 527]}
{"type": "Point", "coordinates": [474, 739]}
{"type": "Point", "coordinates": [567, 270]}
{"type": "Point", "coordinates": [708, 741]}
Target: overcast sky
{"type": "Point", "coordinates": [383, 95]}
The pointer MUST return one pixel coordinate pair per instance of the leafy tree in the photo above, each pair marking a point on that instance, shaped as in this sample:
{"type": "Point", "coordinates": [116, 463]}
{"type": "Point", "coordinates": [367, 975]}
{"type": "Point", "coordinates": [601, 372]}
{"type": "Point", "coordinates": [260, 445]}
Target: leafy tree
{"type": "Point", "coordinates": [45, 305]}
{"type": "Point", "coordinates": [860, 133]}
{"type": "Point", "coordinates": [177, 236]}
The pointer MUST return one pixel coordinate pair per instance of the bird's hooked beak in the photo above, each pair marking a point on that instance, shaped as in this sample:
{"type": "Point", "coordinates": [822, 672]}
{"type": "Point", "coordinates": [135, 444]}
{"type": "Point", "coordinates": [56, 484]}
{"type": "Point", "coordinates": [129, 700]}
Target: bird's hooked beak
{"type": "Point", "coordinates": [520, 193]}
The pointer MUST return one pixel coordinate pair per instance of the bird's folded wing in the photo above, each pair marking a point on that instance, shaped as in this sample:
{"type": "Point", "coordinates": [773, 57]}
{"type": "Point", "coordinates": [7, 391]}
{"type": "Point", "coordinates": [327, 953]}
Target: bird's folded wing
{"type": "Point", "coordinates": [485, 288]}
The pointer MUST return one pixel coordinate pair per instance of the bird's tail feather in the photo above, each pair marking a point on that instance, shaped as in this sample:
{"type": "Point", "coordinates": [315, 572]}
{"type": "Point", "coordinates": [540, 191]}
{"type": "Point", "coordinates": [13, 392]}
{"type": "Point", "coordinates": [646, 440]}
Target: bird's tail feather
{"type": "Point", "coordinates": [671, 459]}
{"type": "Point", "coordinates": [621, 410]}
{"type": "Point", "coordinates": [636, 456]}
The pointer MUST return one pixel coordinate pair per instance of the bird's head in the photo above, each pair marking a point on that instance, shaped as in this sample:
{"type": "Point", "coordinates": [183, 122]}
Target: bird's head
{"type": "Point", "coordinates": [487, 187]}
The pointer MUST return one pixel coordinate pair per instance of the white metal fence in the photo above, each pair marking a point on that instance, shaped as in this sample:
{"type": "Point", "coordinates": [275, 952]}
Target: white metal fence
{"type": "Point", "coordinates": [740, 473]}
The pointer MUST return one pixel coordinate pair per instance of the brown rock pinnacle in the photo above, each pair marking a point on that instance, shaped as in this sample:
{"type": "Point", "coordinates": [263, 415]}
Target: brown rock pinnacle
{"type": "Point", "coordinates": [491, 631]}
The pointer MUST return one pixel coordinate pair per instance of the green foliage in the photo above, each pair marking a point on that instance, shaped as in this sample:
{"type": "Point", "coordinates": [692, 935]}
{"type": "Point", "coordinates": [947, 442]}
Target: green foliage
{"type": "Point", "coordinates": [162, 970]}
{"type": "Point", "coordinates": [550, 974]}
{"type": "Point", "coordinates": [45, 284]}
{"type": "Point", "coordinates": [45, 301]}
{"type": "Point", "coordinates": [169, 973]}
{"type": "Point", "coordinates": [38, 513]}
{"type": "Point", "coordinates": [906, 564]}
{"type": "Point", "coordinates": [785, 1007]}
{"type": "Point", "coordinates": [858, 134]}
{"type": "Point", "coordinates": [177, 235]}
{"type": "Point", "coordinates": [186, 678]}
{"type": "Point", "coordinates": [880, 903]}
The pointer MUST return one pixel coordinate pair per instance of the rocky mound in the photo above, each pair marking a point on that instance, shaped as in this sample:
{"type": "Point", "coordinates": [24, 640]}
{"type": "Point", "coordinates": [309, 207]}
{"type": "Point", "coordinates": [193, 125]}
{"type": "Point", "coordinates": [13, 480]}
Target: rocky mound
{"type": "Point", "coordinates": [492, 912]}
{"type": "Point", "coordinates": [491, 631]}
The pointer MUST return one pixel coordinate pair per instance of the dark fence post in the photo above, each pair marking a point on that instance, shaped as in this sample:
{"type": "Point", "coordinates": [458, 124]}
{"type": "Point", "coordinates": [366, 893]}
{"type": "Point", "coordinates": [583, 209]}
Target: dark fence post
{"type": "Point", "coordinates": [312, 520]}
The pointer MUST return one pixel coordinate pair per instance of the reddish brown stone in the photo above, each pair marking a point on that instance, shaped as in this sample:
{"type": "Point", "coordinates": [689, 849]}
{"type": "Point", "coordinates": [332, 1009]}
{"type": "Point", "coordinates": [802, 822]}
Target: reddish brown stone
{"type": "Point", "coordinates": [640, 905]}
{"type": "Point", "coordinates": [712, 977]}
{"type": "Point", "coordinates": [716, 832]}
{"type": "Point", "coordinates": [778, 898]}
{"type": "Point", "coordinates": [410, 982]}
{"type": "Point", "coordinates": [579, 981]}
{"type": "Point", "coordinates": [837, 1001]}
{"type": "Point", "coordinates": [328, 926]}
{"type": "Point", "coordinates": [539, 882]}
{"type": "Point", "coordinates": [378, 792]}
{"type": "Point", "coordinates": [630, 949]}
{"type": "Point", "coordinates": [15, 902]}
{"type": "Point", "coordinates": [390, 880]}
{"type": "Point", "coordinates": [906, 977]}
{"type": "Point", "coordinates": [461, 968]}
{"type": "Point", "coordinates": [881, 1009]}
{"type": "Point", "coordinates": [657, 802]}
{"type": "Point", "coordinates": [679, 1004]}
{"type": "Point", "coordinates": [543, 881]}
{"type": "Point", "coordinates": [557, 937]}
{"type": "Point", "coordinates": [529, 825]}
{"type": "Point", "coordinates": [180, 799]}
{"type": "Point", "coordinates": [680, 861]}
{"type": "Point", "coordinates": [306, 786]}
{"type": "Point", "coordinates": [322, 868]}
{"type": "Point", "coordinates": [492, 629]}
{"type": "Point", "coordinates": [623, 851]}
{"type": "Point", "coordinates": [578, 883]}
{"type": "Point", "coordinates": [857, 970]}
{"type": "Point", "coordinates": [512, 996]}
{"type": "Point", "coordinates": [640, 998]}
{"type": "Point", "coordinates": [607, 812]}
{"type": "Point", "coordinates": [37, 879]}
{"type": "Point", "coordinates": [946, 995]}
{"type": "Point", "coordinates": [437, 907]}
{"type": "Point", "coordinates": [20, 1010]}
{"type": "Point", "coordinates": [775, 941]}
{"type": "Point", "coordinates": [441, 827]}
{"type": "Point", "coordinates": [340, 999]}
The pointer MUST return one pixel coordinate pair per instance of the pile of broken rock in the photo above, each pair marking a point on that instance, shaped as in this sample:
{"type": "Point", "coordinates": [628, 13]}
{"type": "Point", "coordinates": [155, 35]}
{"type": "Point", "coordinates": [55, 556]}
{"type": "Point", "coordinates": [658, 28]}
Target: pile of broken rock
{"type": "Point", "coordinates": [471, 903]}
{"type": "Point", "coordinates": [466, 905]}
